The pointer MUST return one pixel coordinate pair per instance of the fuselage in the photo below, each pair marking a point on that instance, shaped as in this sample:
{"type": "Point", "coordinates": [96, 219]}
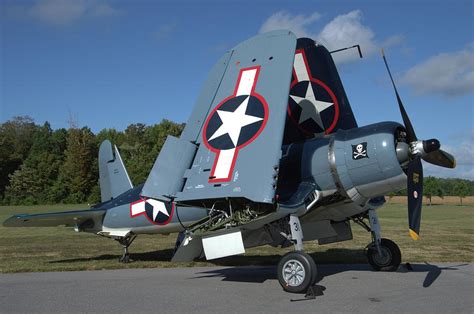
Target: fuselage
{"type": "Point", "coordinates": [119, 217]}
{"type": "Point", "coordinates": [350, 170]}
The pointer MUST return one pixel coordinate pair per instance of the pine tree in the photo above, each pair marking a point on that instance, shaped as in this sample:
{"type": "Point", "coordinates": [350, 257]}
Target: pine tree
{"type": "Point", "coordinates": [77, 175]}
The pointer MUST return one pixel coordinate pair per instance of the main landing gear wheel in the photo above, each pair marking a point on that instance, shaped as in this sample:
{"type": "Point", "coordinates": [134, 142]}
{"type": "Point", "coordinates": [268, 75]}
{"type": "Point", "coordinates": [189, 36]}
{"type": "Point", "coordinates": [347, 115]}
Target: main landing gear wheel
{"type": "Point", "coordinates": [390, 258]}
{"type": "Point", "coordinates": [296, 272]}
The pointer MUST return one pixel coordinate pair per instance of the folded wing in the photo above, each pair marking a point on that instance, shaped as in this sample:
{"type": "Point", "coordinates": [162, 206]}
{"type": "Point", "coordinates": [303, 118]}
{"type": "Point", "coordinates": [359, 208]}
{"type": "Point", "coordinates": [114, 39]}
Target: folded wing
{"type": "Point", "coordinates": [231, 146]}
{"type": "Point", "coordinates": [317, 104]}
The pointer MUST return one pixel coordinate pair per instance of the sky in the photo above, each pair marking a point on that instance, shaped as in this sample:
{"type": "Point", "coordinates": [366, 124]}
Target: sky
{"type": "Point", "coordinates": [107, 64]}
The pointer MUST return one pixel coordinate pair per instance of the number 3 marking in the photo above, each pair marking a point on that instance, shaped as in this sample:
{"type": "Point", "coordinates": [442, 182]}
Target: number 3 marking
{"type": "Point", "coordinates": [295, 224]}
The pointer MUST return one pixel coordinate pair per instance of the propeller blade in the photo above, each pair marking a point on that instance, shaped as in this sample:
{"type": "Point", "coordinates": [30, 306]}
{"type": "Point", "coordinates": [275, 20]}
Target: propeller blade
{"type": "Point", "coordinates": [431, 145]}
{"type": "Point", "coordinates": [411, 136]}
{"type": "Point", "coordinates": [440, 158]}
{"type": "Point", "coordinates": [415, 196]}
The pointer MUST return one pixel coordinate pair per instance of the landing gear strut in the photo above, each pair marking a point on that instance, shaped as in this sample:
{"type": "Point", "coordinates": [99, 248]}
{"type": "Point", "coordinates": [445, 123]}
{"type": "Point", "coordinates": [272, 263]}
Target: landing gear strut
{"type": "Point", "coordinates": [296, 270]}
{"type": "Point", "coordinates": [125, 242]}
{"type": "Point", "coordinates": [382, 254]}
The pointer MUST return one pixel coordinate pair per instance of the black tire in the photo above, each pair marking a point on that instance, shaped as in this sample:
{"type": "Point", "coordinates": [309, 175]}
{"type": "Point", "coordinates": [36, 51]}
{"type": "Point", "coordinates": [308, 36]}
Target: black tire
{"type": "Point", "coordinates": [303, 270]}
{"type": "Point", "coordinates": [391, 259]}
{"type": "Point", "coordinates": [314, 269]}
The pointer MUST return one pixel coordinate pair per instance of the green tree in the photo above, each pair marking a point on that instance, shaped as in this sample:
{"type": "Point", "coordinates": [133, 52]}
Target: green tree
{"type": "Point", "coordinates": [20, 131]}
{"type": "Point", "coordinates": [461, 189]}
{"type": "Point", "coordinates": [16, 139]}
{"type": "Point", "coordinates": [78, 175]}
{"type": "Point", "coordinates": [440, 192]}
{"type": "Point", "coordinates": [59, 139]}
{"type": "Point", "coordinates": [134, 152]}
{"type": "Point", "coordinates": [141, 145]}
{"type": "Point", "coordinates": [391, 195]}
{"type": "Point", "coordinates": [8, 162]}
{"type": "Point", "coordinates": [430, 188]}
{"type": "Point", "coordinates": [31, 183]}
{"type": "Point", "coordinates": [112, 135]}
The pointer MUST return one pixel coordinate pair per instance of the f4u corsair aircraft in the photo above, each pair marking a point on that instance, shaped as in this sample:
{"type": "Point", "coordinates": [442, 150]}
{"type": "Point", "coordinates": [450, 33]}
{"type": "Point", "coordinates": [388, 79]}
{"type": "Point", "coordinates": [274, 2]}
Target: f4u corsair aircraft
{"type": "Point", "coordinates": [271, 155]}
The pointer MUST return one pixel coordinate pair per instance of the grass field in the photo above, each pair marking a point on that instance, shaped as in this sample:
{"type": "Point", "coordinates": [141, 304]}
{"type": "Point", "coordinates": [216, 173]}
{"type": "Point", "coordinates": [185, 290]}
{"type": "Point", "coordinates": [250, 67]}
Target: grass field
{"type": "Point", "coordinates": [435, 200]}
{"type": "Point", "coordinates": [447, 235]}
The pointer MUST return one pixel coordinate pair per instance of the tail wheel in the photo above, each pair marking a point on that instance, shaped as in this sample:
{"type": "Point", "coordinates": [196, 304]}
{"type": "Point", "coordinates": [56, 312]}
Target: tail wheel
{"type": "Point", "coordinates": [296, 272]}
{"type": "Point", "coordinates": [390, 258]}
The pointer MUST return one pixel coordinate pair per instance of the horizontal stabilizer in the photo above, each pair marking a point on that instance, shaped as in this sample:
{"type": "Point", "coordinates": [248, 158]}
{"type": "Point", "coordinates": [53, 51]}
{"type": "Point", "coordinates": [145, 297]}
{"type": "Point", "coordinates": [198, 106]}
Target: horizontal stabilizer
{"type": "Point", "coordinates": [69, 219]}
{"type": "Point", "coordinates": [113, 176]}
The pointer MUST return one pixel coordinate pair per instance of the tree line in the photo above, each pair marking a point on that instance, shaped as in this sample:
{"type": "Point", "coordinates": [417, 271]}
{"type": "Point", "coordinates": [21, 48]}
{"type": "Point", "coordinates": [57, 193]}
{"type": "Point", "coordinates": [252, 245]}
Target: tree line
{"type": "Point", "coordinates": [39, 165]}
{"type": "Point", "coordinates": [442, 187]}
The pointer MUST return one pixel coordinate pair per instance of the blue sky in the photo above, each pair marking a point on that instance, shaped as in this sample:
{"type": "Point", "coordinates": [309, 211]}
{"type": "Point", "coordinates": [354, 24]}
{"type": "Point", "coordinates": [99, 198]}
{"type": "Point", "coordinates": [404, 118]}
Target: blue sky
{"type": "Point", "coordinates": [112, 63]}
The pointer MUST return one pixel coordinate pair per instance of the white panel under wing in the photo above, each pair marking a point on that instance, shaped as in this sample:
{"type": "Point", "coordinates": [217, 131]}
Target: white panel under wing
{"type": "Point", "coordinates": [223, 245]}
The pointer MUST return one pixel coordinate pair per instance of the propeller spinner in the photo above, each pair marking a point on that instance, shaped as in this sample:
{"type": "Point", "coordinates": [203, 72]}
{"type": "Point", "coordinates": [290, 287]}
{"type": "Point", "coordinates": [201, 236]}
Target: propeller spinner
{"type": "Point", "coordinates": [429, 151]}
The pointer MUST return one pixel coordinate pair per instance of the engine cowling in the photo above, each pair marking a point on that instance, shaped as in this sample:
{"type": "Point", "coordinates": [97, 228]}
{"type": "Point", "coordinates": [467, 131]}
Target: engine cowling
{"type": "Point", "coordinates": [356, 164]}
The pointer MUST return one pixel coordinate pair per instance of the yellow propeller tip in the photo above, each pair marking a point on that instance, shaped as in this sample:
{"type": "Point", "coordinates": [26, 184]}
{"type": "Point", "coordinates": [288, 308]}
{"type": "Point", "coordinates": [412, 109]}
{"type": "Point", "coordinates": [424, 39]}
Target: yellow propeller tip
{"type": "Point", "coordinates": [414, 235]}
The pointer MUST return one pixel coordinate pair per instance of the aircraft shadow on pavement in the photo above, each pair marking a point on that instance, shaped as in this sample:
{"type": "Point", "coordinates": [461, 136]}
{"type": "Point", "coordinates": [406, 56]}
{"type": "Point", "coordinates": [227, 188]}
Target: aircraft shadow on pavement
{"type": "Point", "coordinates": [250, 274]}
{"type": "Point", "coordinates": [157, 256]}
{"type": "Point", "coordinates": [330, 256]}
{"type": "Point", "coordinates": [259, 274]}
{"type": "Point", "coordinates": [259, 268]}
{"type": "Point", "coordinates": [432, 271]}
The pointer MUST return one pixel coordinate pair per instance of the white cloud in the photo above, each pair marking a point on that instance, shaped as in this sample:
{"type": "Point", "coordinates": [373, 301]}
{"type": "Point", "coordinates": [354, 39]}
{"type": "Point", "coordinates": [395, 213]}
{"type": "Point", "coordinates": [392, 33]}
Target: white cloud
{"type": "Point", "coordinates": [165, 30]}
{"type": "Point", "coordinates": [343, 31]}
{"type": "Point", "coordinates": [347, 30]}
{"type": "Point", "coordinates": [63, 12]}
{"type": "Point", "coordinates": [464, 154]}
{"type": "Point", "coordinates": [448, 74]}
{"type": "Point", "coordinates": [461, 171]}
{"type": "Point", "coordinates": [298, 24]}
{"type": "Point", "coordinates": [104, 9]}
{"type": "Point", "coordinates": [393, 41]}
{"type": "Point", "coordinates": [57, 11]}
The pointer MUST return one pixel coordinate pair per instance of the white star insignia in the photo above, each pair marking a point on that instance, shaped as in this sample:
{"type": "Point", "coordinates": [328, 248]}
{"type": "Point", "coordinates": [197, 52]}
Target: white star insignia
{"type": "Point", "coordinates": [311, 107]}
{"type": "Point", "coordinates": [233, 122]}
{"type": "Point", "coordinates": [158, 207]}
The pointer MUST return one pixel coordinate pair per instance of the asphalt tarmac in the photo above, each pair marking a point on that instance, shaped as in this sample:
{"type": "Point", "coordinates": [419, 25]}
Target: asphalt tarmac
{"type": "Point", "coordinates": [440, 288]}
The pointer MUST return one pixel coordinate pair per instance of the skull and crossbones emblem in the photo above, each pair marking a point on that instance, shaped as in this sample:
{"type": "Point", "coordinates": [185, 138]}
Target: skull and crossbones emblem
{"type": "Point", "coordinates": [359, 151]}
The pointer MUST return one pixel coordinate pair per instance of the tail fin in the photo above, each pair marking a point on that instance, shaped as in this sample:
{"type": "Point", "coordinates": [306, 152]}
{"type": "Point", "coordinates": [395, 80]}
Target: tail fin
{"type": "Point", "coordinates": [113, 176]}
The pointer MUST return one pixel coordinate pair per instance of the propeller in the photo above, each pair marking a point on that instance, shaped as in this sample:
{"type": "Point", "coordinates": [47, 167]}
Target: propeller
{"type": "Point", "coordinates": [429, 151]}
{"type": "Point", "coordinates": [415, 196]}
